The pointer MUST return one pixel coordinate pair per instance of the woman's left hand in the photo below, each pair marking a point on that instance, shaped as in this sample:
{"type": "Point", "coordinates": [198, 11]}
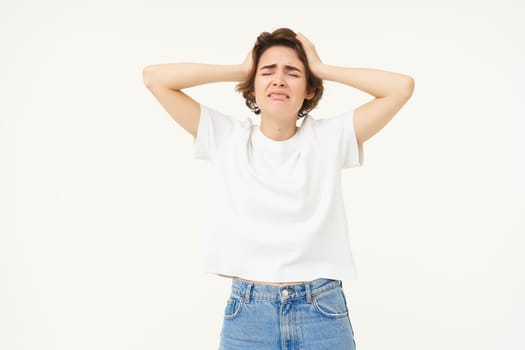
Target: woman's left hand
{"type": "Point", "coordinates": [314, 61]}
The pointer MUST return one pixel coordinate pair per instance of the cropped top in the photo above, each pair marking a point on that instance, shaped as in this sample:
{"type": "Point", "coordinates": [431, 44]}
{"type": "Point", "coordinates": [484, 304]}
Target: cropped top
{"type": "Point", "coordinates": [276, 212]}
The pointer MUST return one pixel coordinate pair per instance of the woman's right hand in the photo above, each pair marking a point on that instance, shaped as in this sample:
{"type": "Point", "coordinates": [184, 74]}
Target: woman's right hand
{"type": "Point", "coordinates": [246, 66]}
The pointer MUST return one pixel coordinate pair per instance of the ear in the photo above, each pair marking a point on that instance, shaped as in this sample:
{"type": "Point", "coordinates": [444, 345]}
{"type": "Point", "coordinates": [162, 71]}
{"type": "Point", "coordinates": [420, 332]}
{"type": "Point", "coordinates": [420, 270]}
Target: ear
{"type": "Point", "coordinates": [310, 94]}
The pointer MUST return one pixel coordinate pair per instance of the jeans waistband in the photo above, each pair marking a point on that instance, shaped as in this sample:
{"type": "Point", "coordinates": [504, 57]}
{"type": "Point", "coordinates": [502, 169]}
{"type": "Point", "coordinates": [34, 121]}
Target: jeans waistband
{"type": "Point", "coordinates": [249, 290]}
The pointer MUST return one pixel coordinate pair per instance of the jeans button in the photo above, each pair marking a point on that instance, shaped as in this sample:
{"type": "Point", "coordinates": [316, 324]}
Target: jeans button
{"type": "Point", "coordinates": [285, 292]}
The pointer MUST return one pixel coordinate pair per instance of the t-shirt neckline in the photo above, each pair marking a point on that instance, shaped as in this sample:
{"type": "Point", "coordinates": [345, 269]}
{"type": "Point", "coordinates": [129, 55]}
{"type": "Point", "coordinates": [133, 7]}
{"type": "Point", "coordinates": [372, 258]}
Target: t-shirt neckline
{"type": "Point", "coordinates": [269, 144]}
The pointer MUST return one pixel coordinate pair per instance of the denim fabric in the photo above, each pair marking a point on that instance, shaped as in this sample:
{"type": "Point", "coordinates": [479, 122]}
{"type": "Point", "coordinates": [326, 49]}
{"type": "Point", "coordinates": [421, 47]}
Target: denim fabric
{"type": "Point", "coordinates": [310, 316]}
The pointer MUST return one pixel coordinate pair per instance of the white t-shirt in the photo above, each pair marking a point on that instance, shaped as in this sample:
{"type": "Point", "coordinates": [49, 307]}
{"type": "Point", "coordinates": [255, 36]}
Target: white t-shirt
{"type": "Point", "coordinates": [276, 211]}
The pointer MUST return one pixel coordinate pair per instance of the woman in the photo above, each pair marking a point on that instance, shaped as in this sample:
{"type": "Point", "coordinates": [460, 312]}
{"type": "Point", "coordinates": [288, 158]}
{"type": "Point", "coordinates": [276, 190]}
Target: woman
{"type": "Point", "coordinates": [276, 222]}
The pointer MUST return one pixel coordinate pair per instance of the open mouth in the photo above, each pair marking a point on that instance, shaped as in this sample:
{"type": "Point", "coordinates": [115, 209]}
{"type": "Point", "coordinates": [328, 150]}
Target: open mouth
{"type": "Point", "coordinates": [278, 96]}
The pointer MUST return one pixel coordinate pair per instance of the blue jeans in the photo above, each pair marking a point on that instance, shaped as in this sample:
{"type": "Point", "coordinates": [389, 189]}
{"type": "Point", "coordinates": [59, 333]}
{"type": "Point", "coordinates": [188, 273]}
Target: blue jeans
{"type": "Point", "coordinates": [309, 316]}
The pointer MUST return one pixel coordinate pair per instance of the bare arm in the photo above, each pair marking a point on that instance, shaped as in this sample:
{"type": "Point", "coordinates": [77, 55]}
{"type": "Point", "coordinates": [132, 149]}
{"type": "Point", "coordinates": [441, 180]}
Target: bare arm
{"type": "Point", "coordinates": [166, 81]}
{"type": "Point", "coordinates": [391, 91]}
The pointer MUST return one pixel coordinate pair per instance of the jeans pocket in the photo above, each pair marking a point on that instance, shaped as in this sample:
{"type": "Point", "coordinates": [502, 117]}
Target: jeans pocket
{"type": "Point", "coordinates": [233, 307]}
{"type": "Point", "coordinates": [331, 303]}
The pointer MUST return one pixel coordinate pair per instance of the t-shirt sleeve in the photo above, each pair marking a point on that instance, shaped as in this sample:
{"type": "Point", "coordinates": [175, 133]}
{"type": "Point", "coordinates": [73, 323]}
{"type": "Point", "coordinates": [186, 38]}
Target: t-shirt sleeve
{"type": "Point", "coordinates": [213, 130]}
{"type": "Point", "coordinates": [340, 130]}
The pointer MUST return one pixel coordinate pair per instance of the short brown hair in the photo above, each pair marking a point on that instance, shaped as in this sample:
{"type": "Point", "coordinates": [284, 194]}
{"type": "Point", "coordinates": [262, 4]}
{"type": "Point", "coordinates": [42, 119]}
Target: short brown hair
{"type": "Point", "coordinates": [281, 37]}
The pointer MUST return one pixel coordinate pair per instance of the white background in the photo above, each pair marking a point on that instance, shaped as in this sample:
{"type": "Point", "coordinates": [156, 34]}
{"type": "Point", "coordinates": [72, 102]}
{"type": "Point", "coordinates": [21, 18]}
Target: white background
{"type": "Point", "coordinates": [101, 200]}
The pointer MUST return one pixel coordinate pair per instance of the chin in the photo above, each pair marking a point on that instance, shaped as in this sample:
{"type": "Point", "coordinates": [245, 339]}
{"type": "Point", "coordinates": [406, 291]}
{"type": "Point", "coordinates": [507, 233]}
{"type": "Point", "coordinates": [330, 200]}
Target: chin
{"type": "Point", "coordinates": [279, 110]}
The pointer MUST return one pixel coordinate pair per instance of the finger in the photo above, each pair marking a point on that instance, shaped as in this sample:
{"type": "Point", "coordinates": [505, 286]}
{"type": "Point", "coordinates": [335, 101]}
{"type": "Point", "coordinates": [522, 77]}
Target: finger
{"type": "Point", "coordinates": [303, 39]}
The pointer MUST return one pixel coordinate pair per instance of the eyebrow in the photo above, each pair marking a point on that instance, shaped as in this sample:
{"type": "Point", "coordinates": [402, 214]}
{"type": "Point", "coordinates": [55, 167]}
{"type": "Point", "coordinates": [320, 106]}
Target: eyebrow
{"type": "Point", "coordinates": [286, 67]}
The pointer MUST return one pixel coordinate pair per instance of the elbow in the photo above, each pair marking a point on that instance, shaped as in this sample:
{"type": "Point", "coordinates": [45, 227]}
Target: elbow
{"type": "Point", "coordinates": [148, 74]}
{"type": "Point", "coordinates": [407, 87]}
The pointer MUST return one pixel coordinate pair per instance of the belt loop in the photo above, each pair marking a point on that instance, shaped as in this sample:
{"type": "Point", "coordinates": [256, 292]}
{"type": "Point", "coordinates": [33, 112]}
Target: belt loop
{"type": "Point", "coordinates": [341, 283]}
{"type": "Point", "coordinates": [247, 292]}
{"type": "Point", "coordinates": [309, 298]}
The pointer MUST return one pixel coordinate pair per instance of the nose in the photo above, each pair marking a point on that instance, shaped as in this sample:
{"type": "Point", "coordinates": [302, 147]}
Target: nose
{"type": "Point", "coordinates": [278, 78]}
{"type": "Point", "coordinates": [278, 81]}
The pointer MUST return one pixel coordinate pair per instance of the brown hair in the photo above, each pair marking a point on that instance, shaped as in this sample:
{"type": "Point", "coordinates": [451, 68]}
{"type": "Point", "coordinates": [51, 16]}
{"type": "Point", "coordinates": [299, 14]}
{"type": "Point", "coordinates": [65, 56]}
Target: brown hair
{"type": "Point", "coordinates": [281, 37]}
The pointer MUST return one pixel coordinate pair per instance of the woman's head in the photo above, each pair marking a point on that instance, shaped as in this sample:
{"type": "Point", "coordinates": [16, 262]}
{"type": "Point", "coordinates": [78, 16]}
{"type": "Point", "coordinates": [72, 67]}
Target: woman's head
{"type": "Point", "coordinates": [284, 66]}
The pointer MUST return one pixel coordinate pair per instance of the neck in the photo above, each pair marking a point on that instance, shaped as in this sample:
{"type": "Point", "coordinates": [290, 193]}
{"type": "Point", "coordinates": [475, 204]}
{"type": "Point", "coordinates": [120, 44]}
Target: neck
{"type": "Point", "coordinates": [280, 130]}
